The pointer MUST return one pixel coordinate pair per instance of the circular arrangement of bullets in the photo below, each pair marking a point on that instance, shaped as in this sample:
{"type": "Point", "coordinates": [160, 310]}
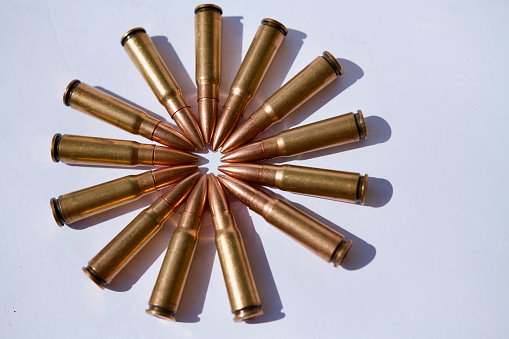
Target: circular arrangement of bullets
{"type": "Point", "coordinates": [192, 188]}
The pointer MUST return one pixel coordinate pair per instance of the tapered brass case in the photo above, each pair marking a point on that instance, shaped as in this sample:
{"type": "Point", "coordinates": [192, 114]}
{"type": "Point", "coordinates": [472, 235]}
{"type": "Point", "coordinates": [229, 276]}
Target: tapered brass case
{"type": "Point", "coordinates": [339, 130]}
{"type": "Point", "coordinates": [147, 59]}
{"type": "Point", "coordinates": [259, 57]}
{"type": "Point", "coordinates": [318, 182]}
{"type": "Point", "coordinates": [313, 78]}
{"type": "Point", "coordinates": [312, 234]}
{"type": "Point", "coordinates": [101, 105]}
{"type": "Point", "coordinates": [244, 299]}
{"type": "Point", "coordinates": [80, 150]}
{"type": "Point", "coordinates": [208, 23]}
{"type": "Point", "coordinates": [118, 252]}
{"type": "Point", "coordinates": [165, 299]}
{"type": "Point", "coordinates": [78, 205]}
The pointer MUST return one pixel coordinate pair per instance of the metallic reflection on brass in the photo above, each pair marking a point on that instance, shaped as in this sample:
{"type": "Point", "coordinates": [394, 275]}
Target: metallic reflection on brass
{"type": "Point", "coordinates": [259, 57]}
{"type": "Point", "coordinates": [208, 23]}
{"type": "Point", "coordinates": [118, 252]}
{"type": "Point", "coordinates": [339, 130]}
{"type": "Point", "coordinates": [78, 205]}
{"type": "Point", "coordinates": [101, 105]}
{"type": "Point", "coordinates": [80, 150]}
{"type": "Point", "coordinates": [318, 182]}
{"type": "Point", "coordinates": [244, 299]}
{"type": "Point", "coordinates": [312, 234]}
{"type": "Point", "coordinates": [313, 78]}
{"type": "Point", "coordinates": [165, 299]}
{"type": "Point", "coordinates": [144, 54]}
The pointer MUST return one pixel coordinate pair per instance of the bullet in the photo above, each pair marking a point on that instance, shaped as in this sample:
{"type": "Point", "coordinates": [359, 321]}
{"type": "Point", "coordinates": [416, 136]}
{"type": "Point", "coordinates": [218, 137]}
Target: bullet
{"type": "Point", "coordinates": [339, 130]}
{"type": "Point", "coordinates": [165, 299]}
{"type": "Point", "coordinates": [118, 252]}
{"type": "Point", "coordinates": [317, 182]}
{"type": "Point", "coordinates": [259, 57]}
{"type": "Point", "coordinates": [244, 299]}
{"type": "Point", "coordinates": [80, 150]}
{"type": "Point", "coordinates": [313, 78]}
{"type": "Point", "coordinates": [208, 23]}
{"type": "Point", "coordinates": [78, 205]}
{"type": "Point", "coordinates": [312, 234]}
{"type": "Point", "coordinates": [147, 59]}
{"type": "Point", "coordinates": [101, 105]}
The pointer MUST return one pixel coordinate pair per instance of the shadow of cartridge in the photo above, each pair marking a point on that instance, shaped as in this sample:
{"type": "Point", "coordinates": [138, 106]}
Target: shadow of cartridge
{"type": "Point", "coordinates": [259, 57]}
{"type": "Point", "coordinates": [242, 291]}
{"type": "Point", "coordinates": [118, 252]}
{"type": "Point", "coordinates": [144, 55]}
{"type": "Point", "coordinates": [165, 299]}
{"type": "Point", "coordinates": [78, 205]}
{"type": "Point", "coordinates": [313, 78]}
{"type": "Point", "coordinates": [343, 129]}
{"type": "Point", "coordinates": [101, 105]}
{"type": "Point", "coordinates": [312, 234]}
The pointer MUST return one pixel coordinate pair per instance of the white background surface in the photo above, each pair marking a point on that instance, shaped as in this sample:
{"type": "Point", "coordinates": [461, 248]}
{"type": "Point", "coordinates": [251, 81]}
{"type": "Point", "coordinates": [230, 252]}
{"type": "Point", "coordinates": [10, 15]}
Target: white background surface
{"type": "Point", "coordinates": [431, 249]}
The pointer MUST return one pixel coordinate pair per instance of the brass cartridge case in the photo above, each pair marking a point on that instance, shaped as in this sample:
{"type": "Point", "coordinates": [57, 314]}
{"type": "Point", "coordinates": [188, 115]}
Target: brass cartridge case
{"type": "Point", "coordinates": [244, 299]}
{"type": "Point", "coordinates": [118, 252]}
{"type": "Point", "coordinates": [208, 23]}
{"type": "Point", "coordinates": [259, 57]}
{"type": "Point", "coordinates": [339, 130]}
{"type": "Point", "coordinates": [313, 78]}
{"type": "Point", "coordinates": [147, 59]}
{"type": "Point", "coordinates": [318, 182]}
{"type": "Point", "coordinates": [78, 205]}
{"type": "Point", "coordinates": [312, 234]}
{"type": "Point", "coordinates": [165, 299]}
{"type": "Point", "coordinates": [80, 150]}
{"type": "Point", "coordinates": [101, 105]}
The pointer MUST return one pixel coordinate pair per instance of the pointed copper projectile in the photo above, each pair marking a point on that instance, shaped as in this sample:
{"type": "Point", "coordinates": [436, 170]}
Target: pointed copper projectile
{"type": "Point", "coordinates": [243, 171]}
{"type": "Point", "coordinates": [225, 125]}
{"type": "Point", "coordinates": [166, 135]}
{"type": "Point", "coordinates": [217, 199]}
{"type": "Point", "coordinates": [242, 134]}
{"type": "Point", "coordinates": [207, 112]}
{"type": "Point", "coordinates": [184, 119]}
{"type": "Point", "coordinates": [246, 153]}
{"type": "Point", "coordinates": [169, 175]}
{"type": "Point", "coordinates": [166, 156]}
{"type": "Point", "coordinates": [170, 283]}
{"type": "Point", "coordinates": [312, 234]}
{"type": "Point", "coordinates": [102, 268]}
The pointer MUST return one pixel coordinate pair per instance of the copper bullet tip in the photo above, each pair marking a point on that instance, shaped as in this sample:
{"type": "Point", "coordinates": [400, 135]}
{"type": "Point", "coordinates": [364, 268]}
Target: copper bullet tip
{"type": "Point", "coordinates": [249, 152]}
{"type": "Point", "coordinates": [188, 124]}
{"type": "Point", "coordinates": [207, 111]}
{"type": "Point", "coordinates": [245, 132]}
{"type": "Point", "coordinates": [225, 125]}
{"type": "Point", "coordinates": [170, 137]}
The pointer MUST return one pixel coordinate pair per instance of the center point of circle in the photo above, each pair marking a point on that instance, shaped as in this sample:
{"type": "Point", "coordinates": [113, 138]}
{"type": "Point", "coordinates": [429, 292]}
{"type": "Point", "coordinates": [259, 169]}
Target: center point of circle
{"type": "Point", "coordinates": [209, 160]}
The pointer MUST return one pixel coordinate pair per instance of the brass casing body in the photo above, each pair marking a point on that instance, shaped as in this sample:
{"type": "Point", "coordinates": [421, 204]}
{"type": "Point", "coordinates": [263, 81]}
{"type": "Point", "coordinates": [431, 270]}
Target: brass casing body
{"type": "Point", "coordinates": [312, 234]}
{"type": "Point", "coordinates": [118, 252]}
{"type": "Point", "coordinates": [78, 205]}
{"type": "Point", "coordinates": [144, 54]}
{"type": "Point", "coordinates": [167, 292]}
{"type": "Point", "coordinates": [339, 130]}
{"type": "Point", "coordinates": [259, 57]}
{"type": "Point", "coordinates": [99, 104]}
{"type": "Point", "coordinates": [318, 182]}
{"type": "Point", "coordinates": [80, 150]}
{"type": "Point", "coordinates": [312, 79]}
{"type": "Point", "coordinates": [208, 23]}
{"type": "Point", "coordinates": [242, 291]}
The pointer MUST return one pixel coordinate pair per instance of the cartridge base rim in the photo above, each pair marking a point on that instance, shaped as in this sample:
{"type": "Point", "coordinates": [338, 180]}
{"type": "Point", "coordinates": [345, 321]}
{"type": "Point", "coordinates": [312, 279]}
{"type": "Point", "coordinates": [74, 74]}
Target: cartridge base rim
{"type": "Point", "coordinates": [248, 313]}
{"type": "Point", "coordinates": [161, 312]}
{"type": "Point", "coordinates": [89, 271]}
{"type": "Point", "coordinates": [130, 33]}
{"type": "Point", "coordinates": [56, 212]}
{"type": "Point", "coordinates": [54, 147]}
{"type": "Point", "coordinates": [341, 252]}
{"type": "Point", "coordinates": [68, 91]}
{"type": "Point", "coordinates": [361, 125]}
{"type": "Point", "coordinates": [333, 62]}
{"type": "Point", "coordinates": [363, 188]}
{"type": "Point", "coordinates": [208, 7]}
{"type": "Point", "coordinates": [275, 24]}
